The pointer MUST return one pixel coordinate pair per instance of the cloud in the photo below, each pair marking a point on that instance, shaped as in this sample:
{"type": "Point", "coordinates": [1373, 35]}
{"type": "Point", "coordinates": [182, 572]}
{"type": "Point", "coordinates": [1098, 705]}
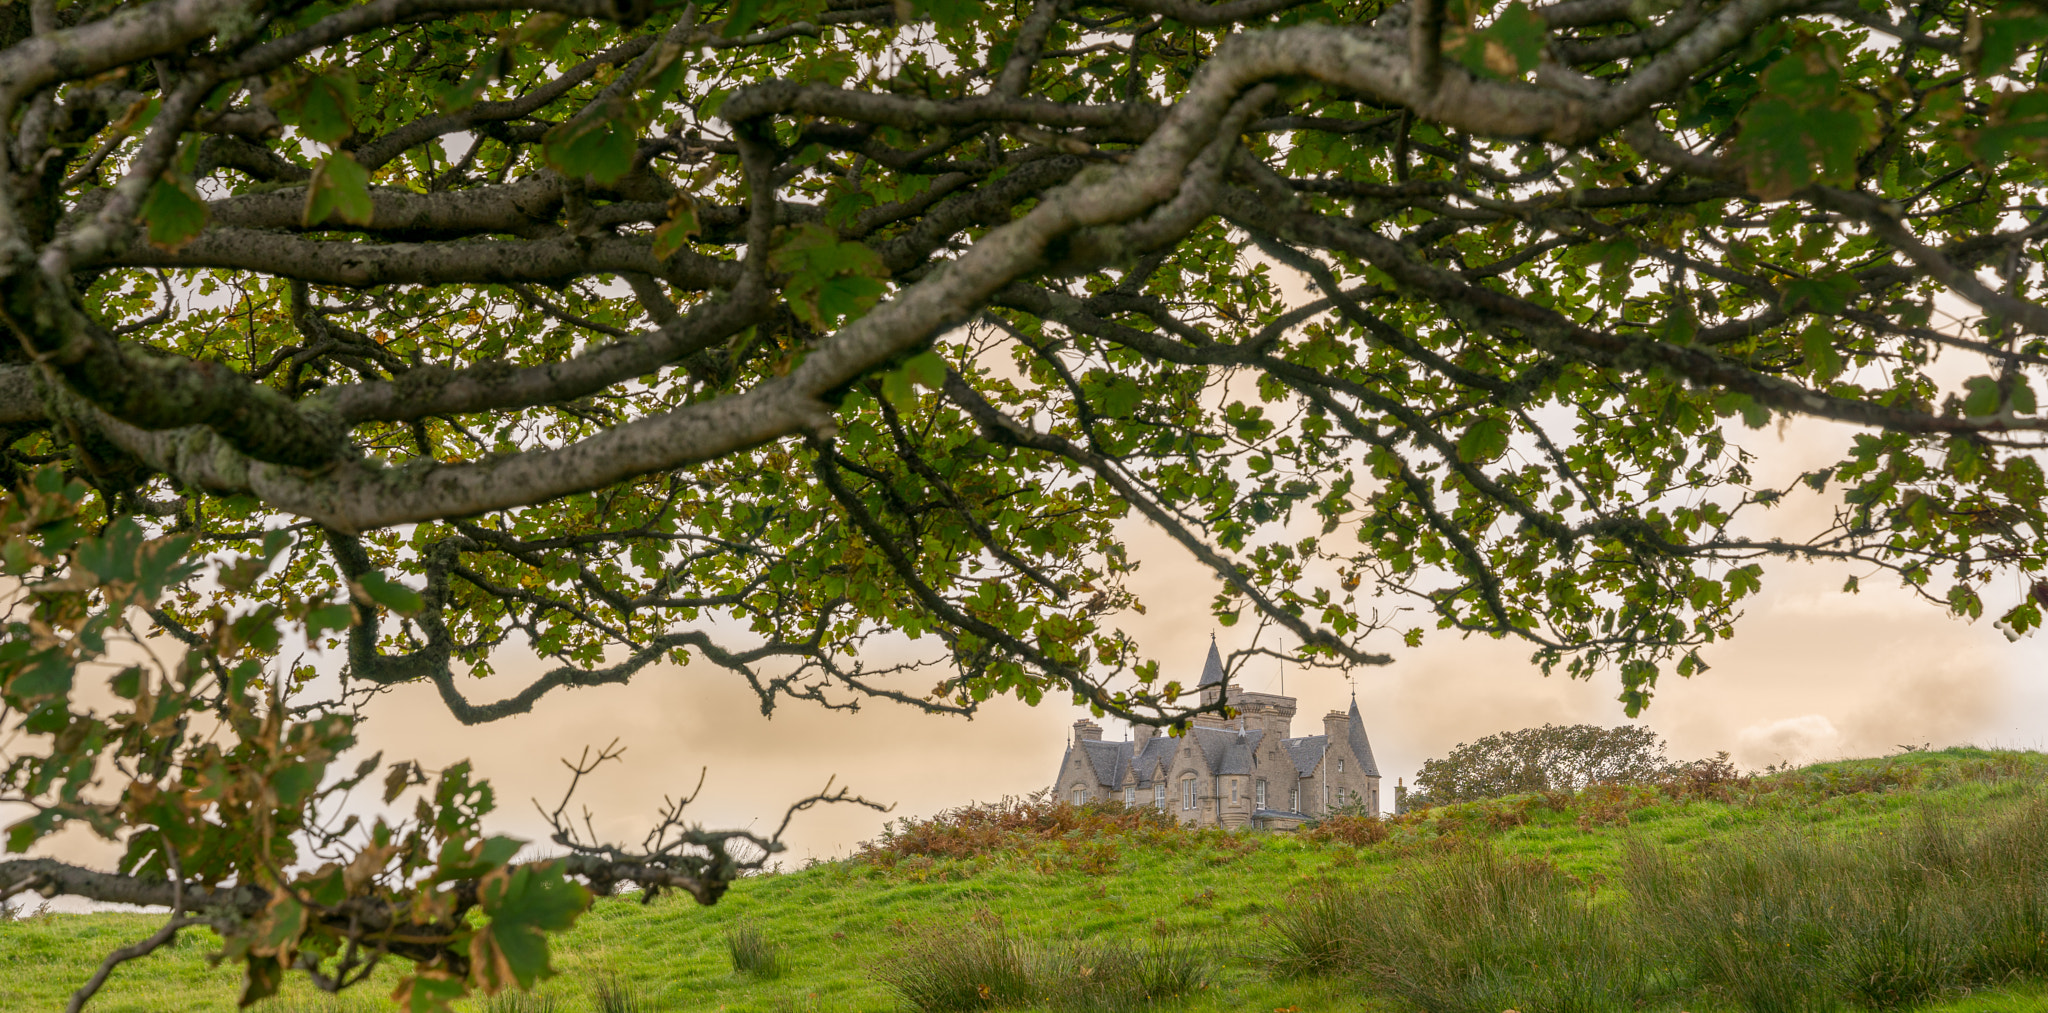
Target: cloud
{"type": "Point", "coordinates": [1802, 739]}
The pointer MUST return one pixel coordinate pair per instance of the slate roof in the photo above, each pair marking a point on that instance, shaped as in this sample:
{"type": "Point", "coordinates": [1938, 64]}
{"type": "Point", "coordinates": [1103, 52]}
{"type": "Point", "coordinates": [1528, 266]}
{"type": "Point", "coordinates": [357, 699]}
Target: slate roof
{"type": "Point", "coordinates": [1361, 747]}
{"type": "Point", "coordinates": [1108, 759]}
{"type": "Point", "coordinates": [1212, 670]}
{"type": "Point", "coordinates": [1306, 751]}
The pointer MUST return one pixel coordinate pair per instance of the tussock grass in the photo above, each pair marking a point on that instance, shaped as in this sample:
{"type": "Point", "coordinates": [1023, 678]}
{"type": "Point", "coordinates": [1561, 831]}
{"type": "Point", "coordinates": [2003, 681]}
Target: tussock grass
{"type": "Point", "coordinates": [754, 953]}
{"type": "Point", "coordinates": [514, 1001]}
{"type": "Point", "coordinates": [980, 965]}
{"type": "Point", "coordinates": [1773, 920]}
{"type": "Point", "coordinates": [1784, 922]}
{"type": "Point", "coordinates": [612, 992]}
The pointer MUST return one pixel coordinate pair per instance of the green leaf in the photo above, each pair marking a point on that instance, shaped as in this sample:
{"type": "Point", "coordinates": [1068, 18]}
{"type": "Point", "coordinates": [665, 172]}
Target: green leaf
{"type": "Point", "coordinates": [1980, 396]}
{"type": "Point", "coordinates": [1827, 293]}
{"type": "Point", "coordinates": [524, 905]}
{"type": "Point", "coordinates": [1615, 256]}
{"type": "Point", "coordinates": [2016, 128]}
{"type": "Point", "coordinates": [330, 617]}
{"type": "Point", "coordinates": [670, 235]}
{"type": "Point", "coordinates": [1807, 126]}
{"type": "Point", "coordinates": [429, 990]}
{"type": "Point", "coordinates": [391, 594]}
{"type": "Point", "coordinates": [340, 188]}
{"type": "Point", "coordinates": [595, 145]}
{"type": "Point", "coordinates": [174, 213]}
{"type": "Point", "coordinates": [1484, 440]}
{"type": "Point", "coordinates": [1507, 48]}
{"type": "Point", "coordinates": [744, 14]}
{"type": "Point", "coordinates": [322, 106]}
{"type": "Point", "coordinates": [2003, 38]}
{"type": "Point", "coordinates": [927, 369]}
{"type": "Point", "coordinates": [1680, 323]}
{"type": "Point", "coordinates": [1817, 344]}
{"type": "Point", "coordinates": [829, 280]}
{"type": "Point", "coordinates": [951, 13]}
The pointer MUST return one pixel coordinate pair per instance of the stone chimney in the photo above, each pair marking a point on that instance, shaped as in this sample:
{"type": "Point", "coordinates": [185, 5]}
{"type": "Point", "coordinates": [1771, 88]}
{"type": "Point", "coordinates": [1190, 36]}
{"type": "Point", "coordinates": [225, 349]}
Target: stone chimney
{"type": "Point", "coordinates": [1088, 731]}
{"type": "Point", "coordinates": [1337, 725]}
{"type": "Point", "coordinates": [1400, 797]}
{"type": "Point", "coordinates": [1141, 734]}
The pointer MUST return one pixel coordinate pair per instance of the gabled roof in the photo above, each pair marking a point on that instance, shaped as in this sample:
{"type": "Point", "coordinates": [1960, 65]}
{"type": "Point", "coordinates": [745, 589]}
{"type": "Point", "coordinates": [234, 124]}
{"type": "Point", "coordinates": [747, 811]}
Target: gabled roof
{"type": "Point", "coordinates": [1212, 670]}
{"type": "Point", "coordinates": [1361, 747]}
{"type": "Point", "coordinates": [1239, 755]}
{"type": "Point", "coordinates": [1306, 752]}
{"type": "Point", "coordinates": [1108, 759]}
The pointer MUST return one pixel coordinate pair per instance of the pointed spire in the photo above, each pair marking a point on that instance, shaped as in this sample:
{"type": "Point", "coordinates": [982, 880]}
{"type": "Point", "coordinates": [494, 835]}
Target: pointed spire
{"type": "Point", "coordinates": [1361, 746]}
{"type": "Point", "coordinates": [1212, 670]}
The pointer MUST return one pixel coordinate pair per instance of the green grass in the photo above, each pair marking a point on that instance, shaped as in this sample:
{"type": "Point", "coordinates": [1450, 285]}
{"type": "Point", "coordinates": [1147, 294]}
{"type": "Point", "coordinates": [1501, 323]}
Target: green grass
{"type": "Point", "coordinates": [1091, 898]}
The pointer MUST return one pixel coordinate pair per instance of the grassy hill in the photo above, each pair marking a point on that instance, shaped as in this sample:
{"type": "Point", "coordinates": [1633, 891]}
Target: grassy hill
{"type": "Point", "coordinates": [1918, 881]}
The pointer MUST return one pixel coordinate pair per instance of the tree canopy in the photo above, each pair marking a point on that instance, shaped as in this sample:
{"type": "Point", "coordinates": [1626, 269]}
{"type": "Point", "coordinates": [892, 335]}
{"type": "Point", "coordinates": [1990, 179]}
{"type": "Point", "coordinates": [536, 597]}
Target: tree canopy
{"type": "Point", "coordinates": [1550, 758]}
{"type": "Point", "coordinates": [748, 332]}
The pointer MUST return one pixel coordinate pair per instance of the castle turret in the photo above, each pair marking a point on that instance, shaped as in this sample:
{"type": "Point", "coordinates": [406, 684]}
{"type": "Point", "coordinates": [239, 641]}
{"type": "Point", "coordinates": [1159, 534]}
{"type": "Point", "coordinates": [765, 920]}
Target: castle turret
{"type": "Point", "coordinates": [1267, 711]}
{"type": "Point", "coordinates": [1336, 725]}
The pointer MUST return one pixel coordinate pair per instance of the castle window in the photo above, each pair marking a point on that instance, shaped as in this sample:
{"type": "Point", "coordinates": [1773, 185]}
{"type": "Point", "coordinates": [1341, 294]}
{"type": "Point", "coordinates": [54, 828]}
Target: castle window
{"type": "Point", "coordinates": [1294, 800]}
{"type": "Point", "coordinates": [1130, 794]}
{"type": "Point", "coordinates": [1259, 794]}
{"type": "Point", "coordinates": [1159, 796]}
{"type": "Point", "coordinates": [1340, 766]}
{"type": "Point", "coordinates": [1233, 793]}
{"type": "Point", "coordinates": [1080, 795]}
{"type": "Point", "coordinates": [1187, 792]}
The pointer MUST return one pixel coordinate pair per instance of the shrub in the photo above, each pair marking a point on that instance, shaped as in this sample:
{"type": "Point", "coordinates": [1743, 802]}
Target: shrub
{"type": "Point", "coordinates": [753, 953]}
{"type": "Point", "coordinates": [1354, 830]}
{"type": "Point", "coordinates": [987, 828]}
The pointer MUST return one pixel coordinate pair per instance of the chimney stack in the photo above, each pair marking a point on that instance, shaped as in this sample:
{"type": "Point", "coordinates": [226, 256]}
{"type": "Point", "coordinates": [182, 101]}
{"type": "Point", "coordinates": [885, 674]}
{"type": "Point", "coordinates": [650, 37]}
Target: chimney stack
{"type": "Point", "coordinates": [1140, 735]}
{"type": "Point", "coordinates": [1087, 731]}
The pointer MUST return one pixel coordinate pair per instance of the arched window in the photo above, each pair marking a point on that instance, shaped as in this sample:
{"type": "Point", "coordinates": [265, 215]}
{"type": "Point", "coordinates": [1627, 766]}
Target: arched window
{"type": "Point", "coordinates": [1080, 794]}
{"type": "Point", "coordinates": [1187, 792]}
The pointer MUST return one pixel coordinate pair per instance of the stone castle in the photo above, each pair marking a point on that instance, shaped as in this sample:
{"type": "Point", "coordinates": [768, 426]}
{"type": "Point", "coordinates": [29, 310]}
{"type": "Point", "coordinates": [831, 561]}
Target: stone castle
{"type": "Point", "coordinates": [1241, 771]}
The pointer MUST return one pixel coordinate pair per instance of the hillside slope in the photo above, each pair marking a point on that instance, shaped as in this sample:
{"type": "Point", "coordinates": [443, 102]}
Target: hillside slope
{"type": "Point", "coordinates": [1361, 915]}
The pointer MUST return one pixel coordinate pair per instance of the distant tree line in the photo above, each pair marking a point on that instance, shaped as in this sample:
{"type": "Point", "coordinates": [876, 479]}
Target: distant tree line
{"type": "Point", "coordinates": [1549, 758]}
